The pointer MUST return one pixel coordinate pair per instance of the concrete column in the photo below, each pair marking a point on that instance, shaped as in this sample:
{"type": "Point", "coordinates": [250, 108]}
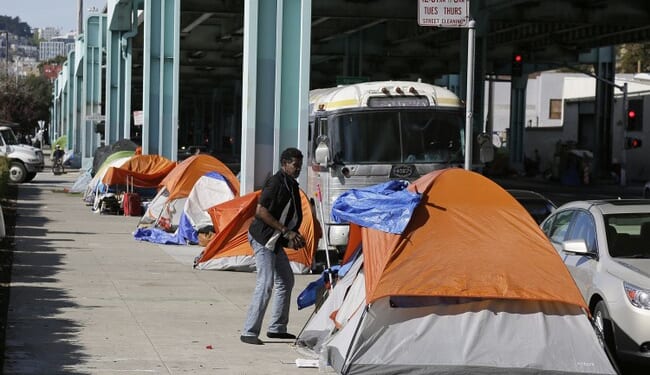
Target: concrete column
{"type": "Point", "coordinates": [517, 120]}
{"type": "Point", "coordinates": [161, 71]}
{"type": "Point", "coordinates": [94, 43]}
{"type": "Point", "coordinates": [122, 24]}
{"type": "Point", "coordinates": [275, 85]}
{"type": "Point", "coordinates": [292, 83]}
{"type": "Point", "coordinates": [603, 133]}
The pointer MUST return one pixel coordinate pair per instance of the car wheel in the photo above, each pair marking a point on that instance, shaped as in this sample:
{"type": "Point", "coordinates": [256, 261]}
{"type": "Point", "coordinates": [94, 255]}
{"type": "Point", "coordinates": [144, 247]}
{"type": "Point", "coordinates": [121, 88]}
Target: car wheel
{"type": "Point", "coordinates": [604, 328]}
{"type": "Point", "coordinates": [17, 172]}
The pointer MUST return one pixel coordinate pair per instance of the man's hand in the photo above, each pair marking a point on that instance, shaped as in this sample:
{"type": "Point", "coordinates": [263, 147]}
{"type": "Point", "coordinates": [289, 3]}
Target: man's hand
{"type": "Point", "coordinates": [296, 240]}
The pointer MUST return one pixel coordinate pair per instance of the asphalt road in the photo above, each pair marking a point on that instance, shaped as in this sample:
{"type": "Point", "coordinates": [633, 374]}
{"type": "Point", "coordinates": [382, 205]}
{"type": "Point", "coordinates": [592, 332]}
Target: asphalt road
{"type": "Point", "coordinates": [561, 194]}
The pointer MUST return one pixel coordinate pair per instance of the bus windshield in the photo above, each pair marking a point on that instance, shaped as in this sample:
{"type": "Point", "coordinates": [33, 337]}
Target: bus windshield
{"type": "Point", "coordinates": [398, 136]}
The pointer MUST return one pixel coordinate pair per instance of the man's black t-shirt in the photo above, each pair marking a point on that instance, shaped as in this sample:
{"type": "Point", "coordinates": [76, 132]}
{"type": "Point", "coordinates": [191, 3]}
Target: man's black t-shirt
{"type": "Point", "coordinates": [279, 190]}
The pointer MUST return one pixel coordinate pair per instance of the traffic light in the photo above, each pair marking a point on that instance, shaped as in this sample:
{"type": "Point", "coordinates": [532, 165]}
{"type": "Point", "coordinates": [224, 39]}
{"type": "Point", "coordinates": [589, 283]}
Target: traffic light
{"type": "Point", "coordinates": [631, 142]}
{"type": "Point", "coordinates": [517, 64]}
{"type": "Point", "coordinates": [635, 115]}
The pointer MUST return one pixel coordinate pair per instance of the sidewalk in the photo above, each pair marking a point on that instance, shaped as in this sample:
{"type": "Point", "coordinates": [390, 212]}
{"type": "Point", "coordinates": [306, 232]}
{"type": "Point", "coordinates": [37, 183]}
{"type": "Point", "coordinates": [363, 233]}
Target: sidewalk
{"type": "Point", "coordinates": [86, 298]}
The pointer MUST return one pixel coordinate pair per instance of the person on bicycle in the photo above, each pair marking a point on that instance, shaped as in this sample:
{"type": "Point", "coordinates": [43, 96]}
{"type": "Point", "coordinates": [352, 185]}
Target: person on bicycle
{"type": "Point", "coordinates": [58, 154]}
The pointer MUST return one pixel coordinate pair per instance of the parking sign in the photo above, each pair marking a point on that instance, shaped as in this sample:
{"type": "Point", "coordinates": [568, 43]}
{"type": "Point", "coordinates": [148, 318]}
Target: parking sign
{"type": "Point", "coordinates": [443, 13]}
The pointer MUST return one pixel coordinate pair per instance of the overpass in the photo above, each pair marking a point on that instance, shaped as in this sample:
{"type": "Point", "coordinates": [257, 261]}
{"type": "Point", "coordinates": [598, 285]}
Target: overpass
{"type": "Point", "coordinates": [236, 73]}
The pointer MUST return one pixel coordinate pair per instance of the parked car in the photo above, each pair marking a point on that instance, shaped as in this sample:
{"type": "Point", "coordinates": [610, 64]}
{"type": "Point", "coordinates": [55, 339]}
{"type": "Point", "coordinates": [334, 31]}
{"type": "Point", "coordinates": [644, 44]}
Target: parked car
{"type": "Point", "coordinates": [537, 205]}
{"type": "Point", "coordinates": [606, 246]}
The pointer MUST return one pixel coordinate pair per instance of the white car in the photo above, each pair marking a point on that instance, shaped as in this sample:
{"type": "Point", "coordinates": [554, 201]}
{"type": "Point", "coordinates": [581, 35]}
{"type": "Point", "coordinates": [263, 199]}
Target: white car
{"type": "Point", "coordinates": [606, 247]}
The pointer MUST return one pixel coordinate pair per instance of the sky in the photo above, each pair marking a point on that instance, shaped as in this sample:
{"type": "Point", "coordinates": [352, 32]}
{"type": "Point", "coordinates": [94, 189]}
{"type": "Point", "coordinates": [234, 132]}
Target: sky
{"type": "Point", "coordinates": [60, 14]}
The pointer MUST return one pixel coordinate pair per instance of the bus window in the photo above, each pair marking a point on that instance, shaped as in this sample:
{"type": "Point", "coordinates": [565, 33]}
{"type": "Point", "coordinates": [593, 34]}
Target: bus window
{"type": "Point", "coordinates": [364, 137]}
{"type": "Point", "coordinates": [432, 137]}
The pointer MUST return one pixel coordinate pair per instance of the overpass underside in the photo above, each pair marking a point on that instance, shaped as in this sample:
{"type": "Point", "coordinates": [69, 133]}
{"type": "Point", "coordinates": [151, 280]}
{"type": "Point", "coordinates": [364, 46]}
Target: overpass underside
{"type": "Point", "coordinates": [234, 75]}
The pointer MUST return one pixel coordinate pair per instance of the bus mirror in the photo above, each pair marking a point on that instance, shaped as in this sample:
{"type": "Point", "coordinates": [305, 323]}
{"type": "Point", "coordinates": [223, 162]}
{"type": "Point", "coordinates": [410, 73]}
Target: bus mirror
{"type": "Point", "coordinates": [321, 155]}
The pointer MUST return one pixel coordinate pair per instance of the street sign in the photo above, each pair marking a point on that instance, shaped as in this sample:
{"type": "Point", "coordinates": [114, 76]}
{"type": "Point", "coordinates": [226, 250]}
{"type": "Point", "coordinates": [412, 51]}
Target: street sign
{"type": "Point", "coordinates": [138, 118]}
{"type": "Point", "coordinates": [95, 117]}
{"type": "Point", "coordinates": [443, 13]}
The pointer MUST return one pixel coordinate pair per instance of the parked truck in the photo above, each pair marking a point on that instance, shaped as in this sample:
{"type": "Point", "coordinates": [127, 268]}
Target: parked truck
{"type": "Point", "coordinates": [368, 133]}
{"type": "Point", "coordinates": [25, 161]}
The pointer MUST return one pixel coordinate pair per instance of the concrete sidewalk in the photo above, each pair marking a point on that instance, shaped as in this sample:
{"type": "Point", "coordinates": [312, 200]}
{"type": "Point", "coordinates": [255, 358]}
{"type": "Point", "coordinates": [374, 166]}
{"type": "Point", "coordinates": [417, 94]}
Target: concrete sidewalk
{"type": "Point", "coordinates": [86, 298]}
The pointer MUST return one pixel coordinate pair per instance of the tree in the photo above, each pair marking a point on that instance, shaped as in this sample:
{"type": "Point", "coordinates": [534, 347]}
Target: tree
{"type": "Point", "coordinates": [15, 26]}
{"type": "Point", "coordinates": [634, 58]}
{"type": "Point", "coordinates": [25, 100]}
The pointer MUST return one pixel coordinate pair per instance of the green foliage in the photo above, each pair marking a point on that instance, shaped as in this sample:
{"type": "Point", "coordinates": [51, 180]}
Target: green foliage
{"type": "Point", "coordinates": [25, 100]}
{"type": "Point", "coordinates": [634, 58]}
{"type": "Point", "coordinates": [15, 26]}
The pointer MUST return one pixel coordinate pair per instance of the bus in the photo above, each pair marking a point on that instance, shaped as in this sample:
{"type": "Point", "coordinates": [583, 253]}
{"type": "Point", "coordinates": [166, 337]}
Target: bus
{"type": "Point", "coordinates": [368, 133]}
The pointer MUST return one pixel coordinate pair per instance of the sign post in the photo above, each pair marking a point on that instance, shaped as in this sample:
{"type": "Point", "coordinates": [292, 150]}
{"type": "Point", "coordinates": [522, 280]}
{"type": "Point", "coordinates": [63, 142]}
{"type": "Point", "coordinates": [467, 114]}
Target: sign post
{"type": "Point", "coordinates": [455, 13]}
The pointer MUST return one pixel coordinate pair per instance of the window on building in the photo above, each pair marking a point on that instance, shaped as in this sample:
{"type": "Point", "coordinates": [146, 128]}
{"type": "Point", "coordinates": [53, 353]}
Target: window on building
{"type": "Point", "coordinates": [555, 109]}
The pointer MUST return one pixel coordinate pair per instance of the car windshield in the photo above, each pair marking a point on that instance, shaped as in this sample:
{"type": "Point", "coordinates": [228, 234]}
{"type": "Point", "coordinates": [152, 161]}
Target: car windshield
{"type": "Point", "coordinates": [628, 235]}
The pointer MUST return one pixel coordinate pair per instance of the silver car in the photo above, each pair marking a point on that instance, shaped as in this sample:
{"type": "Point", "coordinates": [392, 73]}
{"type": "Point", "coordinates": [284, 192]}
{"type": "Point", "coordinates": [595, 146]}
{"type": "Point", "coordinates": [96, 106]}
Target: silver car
{"type": "Point", "coordinates": [606, 247]}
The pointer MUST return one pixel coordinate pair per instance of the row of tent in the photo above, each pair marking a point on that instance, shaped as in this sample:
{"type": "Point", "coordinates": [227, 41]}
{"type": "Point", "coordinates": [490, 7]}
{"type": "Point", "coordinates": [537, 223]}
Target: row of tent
{"type": "Point", "coordinates": [197, 195]}
{"type": "Point", "coordinates": [470, 285]}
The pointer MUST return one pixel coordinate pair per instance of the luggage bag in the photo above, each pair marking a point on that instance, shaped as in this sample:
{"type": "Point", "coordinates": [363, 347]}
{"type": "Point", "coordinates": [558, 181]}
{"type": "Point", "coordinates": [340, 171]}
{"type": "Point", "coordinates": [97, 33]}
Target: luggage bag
{"type": "Point", "coordinates": [131, 202]}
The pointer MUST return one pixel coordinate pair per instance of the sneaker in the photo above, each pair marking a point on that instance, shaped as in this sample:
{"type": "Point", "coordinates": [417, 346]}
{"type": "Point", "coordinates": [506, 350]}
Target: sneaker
{"type": "Point", "coordinates": [251, 340]}
{"type": "Point", "coordinates": [277, 335]}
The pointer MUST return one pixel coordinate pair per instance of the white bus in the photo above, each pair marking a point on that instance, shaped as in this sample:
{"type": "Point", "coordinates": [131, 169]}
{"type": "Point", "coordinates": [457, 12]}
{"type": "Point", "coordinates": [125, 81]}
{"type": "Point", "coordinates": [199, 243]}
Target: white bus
{"type": "Point", "coordinates": [368, 133]}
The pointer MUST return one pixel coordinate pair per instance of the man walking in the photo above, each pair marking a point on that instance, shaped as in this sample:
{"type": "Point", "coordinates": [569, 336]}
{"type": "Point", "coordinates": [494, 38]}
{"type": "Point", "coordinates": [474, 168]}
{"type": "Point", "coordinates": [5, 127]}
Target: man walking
{"type": "Point", "coordinates": [277, 218]}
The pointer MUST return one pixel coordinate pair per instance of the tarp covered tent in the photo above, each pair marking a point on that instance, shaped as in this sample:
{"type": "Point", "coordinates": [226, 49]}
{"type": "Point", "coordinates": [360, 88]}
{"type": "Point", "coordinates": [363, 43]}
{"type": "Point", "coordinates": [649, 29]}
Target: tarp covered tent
{"type": "Point", "coordinates": [81, 183]}
{"type": "Point", "coordinates": [146, 171]}
{"type": "Point", "coordinates": [208, 191]}
{"type": "Point", "coordinates": [100, 155]}
{"type": "Point", "coordinates": [471, 286]}
{"type": "Point", "coordinates": [230, 250]}
{"type": "Point", "coordinates": [168, 204]}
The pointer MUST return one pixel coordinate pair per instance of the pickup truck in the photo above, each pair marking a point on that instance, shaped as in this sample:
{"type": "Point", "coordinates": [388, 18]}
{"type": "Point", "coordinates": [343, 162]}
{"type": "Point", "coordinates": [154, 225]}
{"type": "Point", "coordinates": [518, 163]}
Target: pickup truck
{"type": "Point", "coordinates": [25, 161]}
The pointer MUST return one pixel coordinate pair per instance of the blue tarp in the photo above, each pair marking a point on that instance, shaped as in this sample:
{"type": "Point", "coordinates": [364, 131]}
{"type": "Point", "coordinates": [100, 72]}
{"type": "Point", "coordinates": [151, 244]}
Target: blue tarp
{"type": "Point", "coordinates": [184, 234]}
{"type": "Point", "coordinates": [310, 294]}
{"type": "Point", "coordinates": [387, 207]}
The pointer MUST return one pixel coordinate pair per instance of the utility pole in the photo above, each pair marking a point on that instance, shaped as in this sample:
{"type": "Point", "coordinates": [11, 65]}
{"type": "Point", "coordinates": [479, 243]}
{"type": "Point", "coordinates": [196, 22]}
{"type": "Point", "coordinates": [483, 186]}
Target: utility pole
{"type": "Point", "coordinates": [6, 51]}
{"type": "Point", "coordinates": [80, 17]}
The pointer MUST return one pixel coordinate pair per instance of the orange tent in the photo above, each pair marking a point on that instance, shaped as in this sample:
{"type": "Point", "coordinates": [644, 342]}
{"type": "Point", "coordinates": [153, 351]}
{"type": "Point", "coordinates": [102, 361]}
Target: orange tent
{"type": "Point", "coordinates": [475, 239]}
{"type": "Point", "coordinates": [147, 171]}
{"type": "Point", "coordinates": [180, 180]}
{"type": "Point", "coordinates": [472, 285]}
{"type": "Point", "coordinates": [230, 250]}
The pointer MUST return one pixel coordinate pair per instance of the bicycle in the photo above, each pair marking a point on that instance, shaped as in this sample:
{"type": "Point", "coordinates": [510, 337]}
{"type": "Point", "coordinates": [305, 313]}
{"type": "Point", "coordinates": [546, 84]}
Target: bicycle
{"type": "Point", "coordinates": [57, 166]}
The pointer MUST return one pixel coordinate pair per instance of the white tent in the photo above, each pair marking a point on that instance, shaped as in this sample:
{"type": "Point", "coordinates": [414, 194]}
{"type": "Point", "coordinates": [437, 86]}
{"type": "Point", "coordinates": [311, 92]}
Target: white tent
{"type": "Point", "coordinates": [209, 190]}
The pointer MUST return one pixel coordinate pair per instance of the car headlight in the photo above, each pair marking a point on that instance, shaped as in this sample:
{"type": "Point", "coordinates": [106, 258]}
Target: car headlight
{"type": "Point", "coordinates": [637, 296]}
